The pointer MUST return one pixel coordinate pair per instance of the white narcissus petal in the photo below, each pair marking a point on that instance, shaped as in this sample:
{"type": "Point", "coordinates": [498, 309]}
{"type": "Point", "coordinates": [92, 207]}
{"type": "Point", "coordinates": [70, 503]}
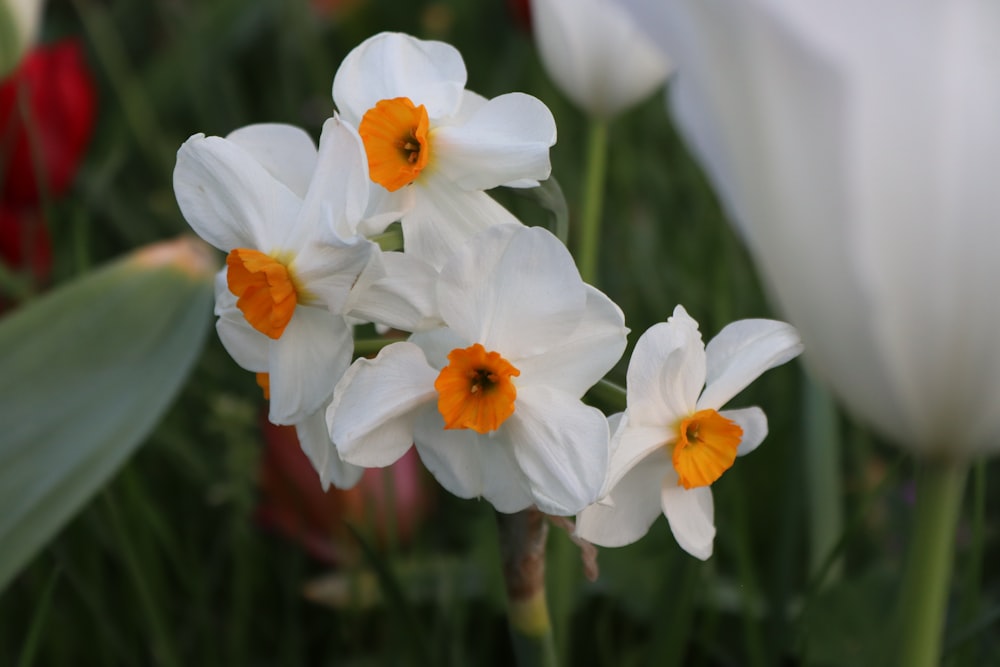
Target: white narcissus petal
{"type": "Point", "coordinates": [287, 152]}
{"type": "Point", "coordinates": [471, 465]}
{"type": "Point", "coordinates": [227, 197]}
{"type": "Point", "coordinates": [390, 65]}
{"type": "Point", "coordinates": [753, 421]}
{"type": "Point", "coordinates": [314, 438]}
{"type": "Point", "coordinates": [338, 192]}
{"type": "Point", "coordinates": [740, 353]}
{"type": "Point", "coordinates": [507, 139]}
{"type": "Point", "coordinates": [384, 208]}
{"type": "Point", "coordinates": [247, 346]}
{"type": "Point", "coordinates": [514, 289]}
{"type": "Point", "coordinates": [330, 271]}
{"type": "Point", "coordinates": [444, 217]}
{"type": "Point", "coordinates": [402, 297]}
{"type": "Point", "coordinates": [666, 372]}
{"type": "Point", "coordinates": [375, 405]}
{"type": "Point", "coordinates": [438, 343]}
{"type": "Point", "coordinates": [691, 514]}
{"type": "Point", "coordinates": [562, 447]}
{"type": "Point", "coordinates": [631, 507]}
{"type": "Point", "coordinates": [580, 361]}
{"type": "Point", "coordinates": [597, 54]}
{"type": "Point", "coordinates": [631, 443]}
{"type": "Point", "coordinates": [304, 364]}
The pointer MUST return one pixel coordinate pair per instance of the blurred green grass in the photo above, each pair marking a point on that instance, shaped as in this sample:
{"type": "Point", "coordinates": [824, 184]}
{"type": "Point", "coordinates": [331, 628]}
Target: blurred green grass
{"type": "Point", "coordinates": [167, 566]}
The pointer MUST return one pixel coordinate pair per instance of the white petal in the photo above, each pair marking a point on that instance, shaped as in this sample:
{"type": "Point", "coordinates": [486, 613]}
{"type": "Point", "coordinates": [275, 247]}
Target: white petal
{"type": "Point", "coordinates": [631, 507]}
{"type": "Point", "coordinates": [740, 353]}
{"type": "Point", "coordinates": [338, 192]}
{"type": "Point", "coordinates": [632, 443]}
{"type": "Point", "coordinates": [577, 363]}
{"type": "Point", "coordinates": [376, 403]}
{"type": "Point", "coordinates": [691, 514]}
{"type": "Point", "coordinates": [314, 438]}
{"type": "Point", "coordinates": [471, 465]}
{"type": "Point", "coordinates": [247, 346]}
{"type": "Point", "coordinates": [753, 421]}
{"type": "Point", "coordinates": [228, 198]}
{"type": "Point", "coordinates": [438, 343]}
{"type": "Point", "coordinates": [596, 54]}
{"type": "Point", "coordinates": [507, 139]}
{"type": "Point", "coordinates": [385, 208]}
{"type": "Point", "coordinates": [329, 271]}
{"type": "Point", "coordinates": [514, 289]}
{"type": "Point", "coordinates": [390, 65]}
{"type": "Point", "coordinates": [285, 151]}
{"type": "Point", "coordinates": [562, 447]}
{"type": "Point", "coordinates": [666, 371]}
{"type": "Point", "coordinates": [306, 362]}
{"type": "Point", "coordinates": [444, 217]}
{"type": "Point", "coordinates": [403, 297]}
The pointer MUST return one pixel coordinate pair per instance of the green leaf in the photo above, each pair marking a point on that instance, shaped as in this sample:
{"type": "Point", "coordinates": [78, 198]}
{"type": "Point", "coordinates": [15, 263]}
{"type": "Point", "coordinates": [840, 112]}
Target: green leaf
{"type": "Point", "coordinates": [86, 372]}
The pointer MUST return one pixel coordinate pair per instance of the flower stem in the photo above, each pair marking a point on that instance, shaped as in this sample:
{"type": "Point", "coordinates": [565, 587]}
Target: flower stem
{"type": "Point", "coordinates": [924, 597]}
{"type": "Point", "coordinates": [522, 550]}
{"type": "Point", "coordinates": [593, 199]}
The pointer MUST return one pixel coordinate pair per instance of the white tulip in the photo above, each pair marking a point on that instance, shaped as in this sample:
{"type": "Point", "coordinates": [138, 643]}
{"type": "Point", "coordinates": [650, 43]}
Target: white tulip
{"type": "Point", "coordinates": [596, 54]}
{"type": "Point", "coordinates": [857, 146]}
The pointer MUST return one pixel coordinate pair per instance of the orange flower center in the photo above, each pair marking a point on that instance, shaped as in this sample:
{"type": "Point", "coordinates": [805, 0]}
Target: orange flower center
{"type": "Point", "coordinates": [705, 448]}
{"type": "Point", "coordinates": [264, 382]}
{"type": "Point", "coordinates": [475, 389]}
{"type": "Point", "coordinates": [264, 289]}
{"type": "Point", "coordinates": [395, 136]}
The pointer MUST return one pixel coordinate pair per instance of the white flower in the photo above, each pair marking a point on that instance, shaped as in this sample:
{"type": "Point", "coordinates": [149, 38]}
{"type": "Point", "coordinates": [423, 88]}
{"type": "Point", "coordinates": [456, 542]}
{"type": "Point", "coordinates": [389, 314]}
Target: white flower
{"type": "Point", "coordinates": [492, 400]}
{"type": "Point", "coordinates": [286, 215]}
{"type": "Point", "coordinates": [596, 54]}
{"type": "Point", "coordinates": [674, 440]}
{"type": "Point", "coordinates": [435, 145]}
{"type": "Point", "coordinates": [857, 146]}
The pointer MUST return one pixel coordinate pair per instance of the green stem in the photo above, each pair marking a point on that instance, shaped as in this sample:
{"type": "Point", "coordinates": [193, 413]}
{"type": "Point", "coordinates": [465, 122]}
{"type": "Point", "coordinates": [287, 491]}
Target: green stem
{"type": "Point", "coordinates": [972, 581]}
{"type": "Point", "coordinates": [924, 597]}
{"type": "Point", "coordinates": [593, 199]}
{"type": "Point", "coordinates": [822, 441]}
{"type": "Point", "coordinates": [522, 551]}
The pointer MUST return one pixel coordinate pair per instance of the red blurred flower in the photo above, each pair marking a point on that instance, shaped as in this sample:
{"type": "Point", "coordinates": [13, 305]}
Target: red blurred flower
{"type": "Point", "coordinates": [47, 109]}
{"type": "Point", "coordinates": [293, 502]}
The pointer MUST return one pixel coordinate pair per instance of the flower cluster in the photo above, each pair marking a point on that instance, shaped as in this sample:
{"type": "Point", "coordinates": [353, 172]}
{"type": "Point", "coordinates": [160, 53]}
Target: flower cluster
{"type": "Point", "coordinates": [505, 338]}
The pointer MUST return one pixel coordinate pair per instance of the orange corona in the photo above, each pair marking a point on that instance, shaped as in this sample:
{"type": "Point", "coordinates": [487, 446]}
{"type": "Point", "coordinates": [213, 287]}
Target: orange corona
{"type": "Point", "coordinates": [395, 136]}
{"type": "Point", "coordinates": [705, 448]}
{"type": "Point", "coordinates": [264, 290]}
{"type": "Point", "coordinates": [475, 389]}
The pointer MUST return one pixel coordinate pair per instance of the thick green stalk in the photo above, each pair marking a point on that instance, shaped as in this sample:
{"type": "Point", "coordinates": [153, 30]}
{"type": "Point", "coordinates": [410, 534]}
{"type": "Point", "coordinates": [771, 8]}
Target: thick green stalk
{"type": "Point", "coordinates": [522, 551]}
{"type": "Point", "coordinates": [593, 200]}
{"type": "Point", "coordinates": [824, 479]}
{"type": "Point", "coordinates": [924, 597]}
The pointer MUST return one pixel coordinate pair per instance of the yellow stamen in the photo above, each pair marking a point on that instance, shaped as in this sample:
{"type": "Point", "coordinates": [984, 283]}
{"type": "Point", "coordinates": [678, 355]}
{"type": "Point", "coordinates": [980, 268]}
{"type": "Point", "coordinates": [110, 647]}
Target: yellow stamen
{"type": "Point", "coordinates": [264, 382]}
{"type": "Point", "coordinates": [475, 389]}
{"type": "Point", "coordinates": [264, 289]}
{"type": "Point", "coordinates": [705, 448]}
{"type": "Point", "coordinates": [395, 136]}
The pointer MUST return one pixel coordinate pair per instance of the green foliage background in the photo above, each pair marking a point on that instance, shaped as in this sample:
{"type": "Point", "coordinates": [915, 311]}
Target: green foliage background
{"type": "Point", "coordinates": [167, 566]}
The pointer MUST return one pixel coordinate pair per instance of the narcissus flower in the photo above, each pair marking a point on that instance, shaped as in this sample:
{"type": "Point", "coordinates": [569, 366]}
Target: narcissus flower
{"type": "Point", "coordinates": [596, 54]}
{"type": "Point", "coordinates": [674, 440]}
{"type": "Point", "coordinates": [434, 147]}
{"type": "Point", "coordinates": [492, 399]}
{"type": "Point", "coordinates": [287, 217]}
{"type": "Point", "coordinates": [856, 146]}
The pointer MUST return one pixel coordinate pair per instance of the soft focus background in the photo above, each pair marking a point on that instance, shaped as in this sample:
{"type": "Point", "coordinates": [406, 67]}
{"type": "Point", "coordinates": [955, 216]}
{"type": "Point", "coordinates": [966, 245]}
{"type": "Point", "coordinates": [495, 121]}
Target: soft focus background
{"type": "Point", "coordinates": [214, 544]}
